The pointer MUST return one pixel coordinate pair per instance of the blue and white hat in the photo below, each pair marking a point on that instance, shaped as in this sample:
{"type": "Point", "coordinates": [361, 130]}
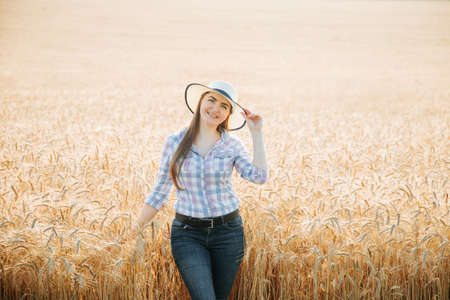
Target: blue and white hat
{"type": "Point", "coordinates": [195, 90]}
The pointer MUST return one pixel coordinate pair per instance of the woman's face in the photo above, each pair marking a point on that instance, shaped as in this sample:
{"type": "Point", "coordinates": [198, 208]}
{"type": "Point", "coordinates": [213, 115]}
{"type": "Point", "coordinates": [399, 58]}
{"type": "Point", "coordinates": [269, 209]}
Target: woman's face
{"type": "Point", "coordinates": [214, 108]}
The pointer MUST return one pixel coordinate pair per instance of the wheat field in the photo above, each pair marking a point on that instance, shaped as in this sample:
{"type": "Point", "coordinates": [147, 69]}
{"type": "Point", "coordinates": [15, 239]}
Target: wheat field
{"type": "Point", "coordinates": [356, 103]}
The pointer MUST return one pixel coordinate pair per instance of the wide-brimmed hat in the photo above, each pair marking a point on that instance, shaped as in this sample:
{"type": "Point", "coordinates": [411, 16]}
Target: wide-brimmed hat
{"type": "Point", "coordinates": [195, 90]}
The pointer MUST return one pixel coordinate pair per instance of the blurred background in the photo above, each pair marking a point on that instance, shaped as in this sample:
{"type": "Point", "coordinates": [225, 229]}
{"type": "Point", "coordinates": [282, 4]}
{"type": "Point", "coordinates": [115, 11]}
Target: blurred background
{"type": "Point", "coordinates": [324, 49]}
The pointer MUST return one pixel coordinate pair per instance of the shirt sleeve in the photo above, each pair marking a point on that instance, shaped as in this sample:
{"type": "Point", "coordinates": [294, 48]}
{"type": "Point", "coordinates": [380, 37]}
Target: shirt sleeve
{"type": "Point", "coordinates": [161, 189]}
{"type": "Point", "coordinates": [245, 167]}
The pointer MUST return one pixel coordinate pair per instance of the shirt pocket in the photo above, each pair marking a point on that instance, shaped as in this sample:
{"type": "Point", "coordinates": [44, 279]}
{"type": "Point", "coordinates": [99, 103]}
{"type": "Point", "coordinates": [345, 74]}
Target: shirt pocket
{"type": "Point", "coordinates": [224, 154]}
{"type": "Point", "coordinates": [222, 164]}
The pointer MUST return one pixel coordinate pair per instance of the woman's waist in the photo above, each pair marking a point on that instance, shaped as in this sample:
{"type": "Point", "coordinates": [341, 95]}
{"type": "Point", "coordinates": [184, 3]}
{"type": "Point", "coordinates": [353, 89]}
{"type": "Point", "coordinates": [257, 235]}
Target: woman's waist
{"type": "Point", "coordinates": [206, 210]}
{"type": "Point", "coordinates": [207, 222]}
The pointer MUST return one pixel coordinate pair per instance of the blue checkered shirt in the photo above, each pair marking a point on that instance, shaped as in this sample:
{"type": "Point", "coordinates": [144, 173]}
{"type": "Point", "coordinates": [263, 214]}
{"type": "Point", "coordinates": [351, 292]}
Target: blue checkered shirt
{"type": "Point", "coordinates": [206, 180]}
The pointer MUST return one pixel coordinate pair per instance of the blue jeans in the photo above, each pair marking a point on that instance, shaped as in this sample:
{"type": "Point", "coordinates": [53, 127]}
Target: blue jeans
{"type": "Point", "coordinates": [208, 258]}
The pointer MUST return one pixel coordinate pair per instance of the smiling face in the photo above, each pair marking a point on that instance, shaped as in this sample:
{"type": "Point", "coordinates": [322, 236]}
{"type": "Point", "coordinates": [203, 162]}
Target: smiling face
{"type": "Point", "coordinates": [214, 109]}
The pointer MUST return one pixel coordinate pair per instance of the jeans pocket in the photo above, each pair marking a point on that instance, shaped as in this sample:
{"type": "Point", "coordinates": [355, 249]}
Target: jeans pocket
{"type": "Point", "coordinates": [178, 225]}
{"type": "Point", "coordinates": [235, 223]}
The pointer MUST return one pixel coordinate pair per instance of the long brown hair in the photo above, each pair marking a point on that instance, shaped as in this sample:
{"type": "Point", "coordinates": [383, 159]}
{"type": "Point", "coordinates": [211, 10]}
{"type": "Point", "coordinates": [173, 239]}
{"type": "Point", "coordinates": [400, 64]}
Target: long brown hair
{"type": "Point", "coordinates": [186, 143]}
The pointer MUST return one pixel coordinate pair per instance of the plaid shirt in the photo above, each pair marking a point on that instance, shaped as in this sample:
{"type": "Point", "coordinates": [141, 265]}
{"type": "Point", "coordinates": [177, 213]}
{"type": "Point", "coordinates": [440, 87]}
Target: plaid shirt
{"type": "Point", "coordinates": [207, 181]}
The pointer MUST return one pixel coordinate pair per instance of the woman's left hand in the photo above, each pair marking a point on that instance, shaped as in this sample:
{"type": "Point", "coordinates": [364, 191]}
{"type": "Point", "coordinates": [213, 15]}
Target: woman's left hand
{"type": "Point", "coordinates": [254, 121]}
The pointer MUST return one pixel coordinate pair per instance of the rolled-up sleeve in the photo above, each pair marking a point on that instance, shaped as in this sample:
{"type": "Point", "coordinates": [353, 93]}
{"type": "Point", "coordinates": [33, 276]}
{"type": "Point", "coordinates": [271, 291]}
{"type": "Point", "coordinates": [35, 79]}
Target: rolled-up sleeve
{"type": "Point", "coordinates": [161, 189]}
{"type": "Point", "coordinates": [245, 168]}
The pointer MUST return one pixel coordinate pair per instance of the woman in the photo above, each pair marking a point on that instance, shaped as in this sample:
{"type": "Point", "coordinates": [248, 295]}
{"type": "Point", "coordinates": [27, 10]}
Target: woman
{"type": "Point", "coordinates": [207, 234]}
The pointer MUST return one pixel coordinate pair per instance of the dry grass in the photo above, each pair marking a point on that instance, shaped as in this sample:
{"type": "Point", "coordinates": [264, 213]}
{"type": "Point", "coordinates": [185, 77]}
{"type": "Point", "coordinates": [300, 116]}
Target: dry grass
{"type": "Point", "coordinates": [357, 140]}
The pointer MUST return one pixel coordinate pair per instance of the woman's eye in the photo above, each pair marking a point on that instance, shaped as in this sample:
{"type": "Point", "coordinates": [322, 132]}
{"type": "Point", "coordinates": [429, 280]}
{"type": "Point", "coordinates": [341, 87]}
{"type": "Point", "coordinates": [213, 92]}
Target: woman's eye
{"type": "Point", "coordinates": [212, 100]}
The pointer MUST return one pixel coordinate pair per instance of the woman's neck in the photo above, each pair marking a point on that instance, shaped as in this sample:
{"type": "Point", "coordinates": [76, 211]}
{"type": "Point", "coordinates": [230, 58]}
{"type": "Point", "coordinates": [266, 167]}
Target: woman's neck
{"type": "Point", "coordinates": [208, 132]}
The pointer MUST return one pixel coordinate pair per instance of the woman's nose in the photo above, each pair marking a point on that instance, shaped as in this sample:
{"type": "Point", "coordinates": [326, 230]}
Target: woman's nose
{"type": "Point", "coordinates": [216, 107]}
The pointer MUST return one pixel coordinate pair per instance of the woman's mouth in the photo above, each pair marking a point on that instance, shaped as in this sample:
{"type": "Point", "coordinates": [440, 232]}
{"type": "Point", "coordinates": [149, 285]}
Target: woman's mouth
{"type": "Point", "coordinates": [212, 116]}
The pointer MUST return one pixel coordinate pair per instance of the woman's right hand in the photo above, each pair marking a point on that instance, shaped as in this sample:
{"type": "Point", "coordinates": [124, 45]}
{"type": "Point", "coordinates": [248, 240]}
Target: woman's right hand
{"type": "Point", "coordinates": [136, 235]}
{"type": "Point", "coordinates": [136, 230]}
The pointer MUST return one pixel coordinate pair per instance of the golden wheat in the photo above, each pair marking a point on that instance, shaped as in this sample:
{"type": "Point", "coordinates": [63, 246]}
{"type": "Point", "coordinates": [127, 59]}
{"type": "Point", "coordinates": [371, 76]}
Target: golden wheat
{"type": "Point", "coordinates": [328, 223]}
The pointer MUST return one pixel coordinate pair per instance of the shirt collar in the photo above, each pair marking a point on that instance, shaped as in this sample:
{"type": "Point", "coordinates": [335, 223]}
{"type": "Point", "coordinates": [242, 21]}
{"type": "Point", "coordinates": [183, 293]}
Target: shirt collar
{"type": "Point", "coordinates": [224, 136]}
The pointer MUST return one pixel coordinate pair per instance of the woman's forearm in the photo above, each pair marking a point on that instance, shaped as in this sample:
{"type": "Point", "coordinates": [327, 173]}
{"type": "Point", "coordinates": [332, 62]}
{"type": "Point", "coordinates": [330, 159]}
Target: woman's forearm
{"type": "Point", "coordinates": [147, 213]}
{"type": "Point", "coordinates": [259, 152]}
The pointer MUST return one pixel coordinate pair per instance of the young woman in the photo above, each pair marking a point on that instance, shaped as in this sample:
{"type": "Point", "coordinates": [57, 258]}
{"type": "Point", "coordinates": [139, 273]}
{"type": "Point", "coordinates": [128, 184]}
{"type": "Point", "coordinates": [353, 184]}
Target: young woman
{"type": "Point", "coordinates": [207, 234]}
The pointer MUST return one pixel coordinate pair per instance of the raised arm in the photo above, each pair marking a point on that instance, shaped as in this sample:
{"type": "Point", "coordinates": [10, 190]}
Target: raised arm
{"type": "Point", "coordinates": [259, 153]}
{"type": "Point", "coordinates": [257, 170]}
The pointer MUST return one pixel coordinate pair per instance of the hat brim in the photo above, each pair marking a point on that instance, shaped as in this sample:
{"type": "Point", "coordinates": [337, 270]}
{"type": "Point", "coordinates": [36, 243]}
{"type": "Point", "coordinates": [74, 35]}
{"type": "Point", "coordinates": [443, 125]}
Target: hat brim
{"type": "Point", "coordinates": [192, 95]}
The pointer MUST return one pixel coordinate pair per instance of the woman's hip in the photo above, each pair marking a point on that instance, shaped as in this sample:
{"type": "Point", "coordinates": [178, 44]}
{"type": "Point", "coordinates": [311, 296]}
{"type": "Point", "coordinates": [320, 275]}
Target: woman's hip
{"type": "Point", "coordinates": [230, 235]}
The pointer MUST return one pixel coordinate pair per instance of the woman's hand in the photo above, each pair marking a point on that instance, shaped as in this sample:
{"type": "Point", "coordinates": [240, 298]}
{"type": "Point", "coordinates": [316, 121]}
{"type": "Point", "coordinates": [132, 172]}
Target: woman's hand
{"type": "Point", "coordinates": [136, 231]}
{"type": "Point", "coordinates": [136, 235]}
{"type": "Point", "coordinates": [254, 121]}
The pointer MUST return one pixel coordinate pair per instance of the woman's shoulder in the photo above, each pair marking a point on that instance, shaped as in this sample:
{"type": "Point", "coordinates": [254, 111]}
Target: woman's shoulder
{"type": "Point", "coordinates": [178, 135]}
{"type": "Point", "coordinates": [232, 139]}
{"type": "Point", "coordinates": [232, 143]}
